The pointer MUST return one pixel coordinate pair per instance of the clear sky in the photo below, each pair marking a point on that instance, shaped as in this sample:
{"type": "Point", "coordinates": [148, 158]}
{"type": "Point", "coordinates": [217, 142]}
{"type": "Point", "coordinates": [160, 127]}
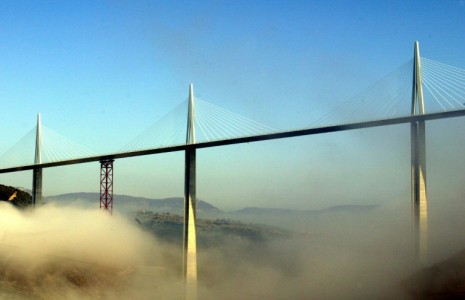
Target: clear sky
{"type": "Point", "coordinates": [101, 72]}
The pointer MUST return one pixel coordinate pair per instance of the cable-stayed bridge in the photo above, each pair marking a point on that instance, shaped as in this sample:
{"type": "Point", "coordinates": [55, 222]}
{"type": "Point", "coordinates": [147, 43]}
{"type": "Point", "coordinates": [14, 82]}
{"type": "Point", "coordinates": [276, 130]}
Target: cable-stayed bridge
{"type": "Point", "coordinates": [384, 103]}
{"type": "Point", "coordinates": [418, 91]}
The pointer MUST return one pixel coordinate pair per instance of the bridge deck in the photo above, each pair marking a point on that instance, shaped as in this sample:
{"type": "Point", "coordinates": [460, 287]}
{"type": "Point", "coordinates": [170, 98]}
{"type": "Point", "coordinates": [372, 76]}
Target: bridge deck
{"type": "Point", "coordinates": [247, 139]}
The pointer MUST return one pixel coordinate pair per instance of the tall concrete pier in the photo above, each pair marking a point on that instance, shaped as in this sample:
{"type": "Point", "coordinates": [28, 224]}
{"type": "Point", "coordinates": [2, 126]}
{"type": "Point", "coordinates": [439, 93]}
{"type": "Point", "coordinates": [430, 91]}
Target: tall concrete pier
{"type": "Point", "coordinates": [37, 172]}
{"type": "Point", "coordinates": [189, 234]}
{"type": "Point", "coordinates": [418, 166]}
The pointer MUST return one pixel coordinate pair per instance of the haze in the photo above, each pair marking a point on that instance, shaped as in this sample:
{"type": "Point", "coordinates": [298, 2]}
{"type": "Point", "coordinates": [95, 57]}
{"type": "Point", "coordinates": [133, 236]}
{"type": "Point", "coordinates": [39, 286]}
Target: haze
{"type": "Point", "coordinates": [101, 72]}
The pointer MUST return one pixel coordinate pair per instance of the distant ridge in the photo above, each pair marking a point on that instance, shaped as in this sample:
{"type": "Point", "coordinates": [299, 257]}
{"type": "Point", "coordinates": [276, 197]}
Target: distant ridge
{"type": "Point", "coordinates": [176, 203]}
{"type": "Point", "coordinates": [350, 208]}
{"type": "Point", "coordinates": [266, 211]}
{"type": "Point", "coordinates": [284, 211]}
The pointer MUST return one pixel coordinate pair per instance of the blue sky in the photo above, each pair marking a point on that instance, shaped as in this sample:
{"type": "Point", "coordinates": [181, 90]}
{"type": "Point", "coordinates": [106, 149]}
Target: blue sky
{"type": "Point", "coordinates": [101, 72]}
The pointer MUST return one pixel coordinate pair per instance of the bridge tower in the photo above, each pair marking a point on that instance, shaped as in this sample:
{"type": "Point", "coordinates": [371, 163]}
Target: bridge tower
{"type": "Point", "coordinates": [106, 185]}
{"type": "Point", "coordinates": [37, 172]}
{"type": "Point", "coordinates": [189, 232]}
{"type": "Point", "coordinates": [418, 167]}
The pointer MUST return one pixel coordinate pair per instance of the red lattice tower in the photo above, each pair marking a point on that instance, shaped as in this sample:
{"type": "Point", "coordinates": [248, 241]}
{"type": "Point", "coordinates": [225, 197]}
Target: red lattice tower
{"type": "Point", "coordinates": [106, 185]}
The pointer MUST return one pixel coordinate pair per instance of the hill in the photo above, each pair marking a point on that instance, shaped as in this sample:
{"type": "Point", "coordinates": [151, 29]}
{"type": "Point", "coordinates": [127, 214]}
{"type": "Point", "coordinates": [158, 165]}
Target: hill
{"type": "Point", "coordinates": [29, 191]}
{"type": "Point", "coordinates": [295, 219]}
{"type": "Point", "coordinates": [174, 205]}
{"type": "Point", "coordinates": [15, 196]}
{"type": "Point", "coordinates": [284, 218]}
{"type": "Point", "coordinates": [281, 211]}
{"type": "Point", "coordinates": [443, 280]}
{"type": "Point", "coordinates": [210, 233]}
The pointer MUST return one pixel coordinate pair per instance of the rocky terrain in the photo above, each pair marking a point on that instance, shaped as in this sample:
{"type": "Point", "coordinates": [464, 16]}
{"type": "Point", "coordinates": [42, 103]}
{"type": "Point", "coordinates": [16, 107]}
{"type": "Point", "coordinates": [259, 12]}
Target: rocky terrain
{"type": "Point", "coordinates": [15, 196]}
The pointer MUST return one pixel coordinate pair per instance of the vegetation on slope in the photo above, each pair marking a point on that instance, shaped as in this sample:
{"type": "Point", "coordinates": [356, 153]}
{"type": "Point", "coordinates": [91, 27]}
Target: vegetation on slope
{"type": "Point", "coordinates": [18, 198]}
{"type": "Point", "coordinates": [210, 233]}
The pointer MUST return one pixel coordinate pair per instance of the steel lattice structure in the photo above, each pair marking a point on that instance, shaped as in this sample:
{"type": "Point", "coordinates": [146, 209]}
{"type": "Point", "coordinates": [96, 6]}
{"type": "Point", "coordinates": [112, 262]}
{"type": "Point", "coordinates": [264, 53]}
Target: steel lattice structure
{"type": "Point", "coordinates": [106, 185]}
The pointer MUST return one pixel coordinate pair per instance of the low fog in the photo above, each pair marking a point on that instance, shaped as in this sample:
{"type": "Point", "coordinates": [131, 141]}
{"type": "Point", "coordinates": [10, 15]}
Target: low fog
{"type": "Point", "coordinates": [79, 253]}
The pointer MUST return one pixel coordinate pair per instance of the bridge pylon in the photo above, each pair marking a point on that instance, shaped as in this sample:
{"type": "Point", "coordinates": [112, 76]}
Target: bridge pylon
{"type": "Point", "coordinates": [189, 231]}
{"type": "Point", "coordinates": [37, 171]}
{"type": "Point", "coordinates": [418, 167]}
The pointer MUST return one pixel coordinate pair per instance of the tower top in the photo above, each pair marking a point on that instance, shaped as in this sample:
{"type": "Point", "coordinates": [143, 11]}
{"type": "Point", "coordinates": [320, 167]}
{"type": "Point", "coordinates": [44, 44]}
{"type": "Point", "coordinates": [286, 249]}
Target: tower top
{"type": "Point", "coordinates": [190, 139]}
{"type": "Point", "coordinates": [38, 156]}
{"type": "Point", "coordinates": [418, 106]}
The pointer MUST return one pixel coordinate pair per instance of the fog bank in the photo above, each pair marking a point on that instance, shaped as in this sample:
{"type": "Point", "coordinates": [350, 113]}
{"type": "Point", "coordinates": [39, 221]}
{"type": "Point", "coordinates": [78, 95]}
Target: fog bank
{"type": "Point", "coordinates": [77, 253]}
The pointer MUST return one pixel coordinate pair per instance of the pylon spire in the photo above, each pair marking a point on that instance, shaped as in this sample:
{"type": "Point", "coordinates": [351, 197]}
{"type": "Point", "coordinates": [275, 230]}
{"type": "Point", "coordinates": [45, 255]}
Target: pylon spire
{"type": "Point", "coordinates": [418, 106]}
{"type": "Point", "coordinates": [38, 157]}
{"type": "Point", "coordinates": [191, 117]}
{"type": "Point", "coordinates": [37, 172]}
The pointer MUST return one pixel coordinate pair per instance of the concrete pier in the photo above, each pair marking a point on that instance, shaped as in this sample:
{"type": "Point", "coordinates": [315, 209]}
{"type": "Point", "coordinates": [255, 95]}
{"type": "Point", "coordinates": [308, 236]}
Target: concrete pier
{"type": "Point", "coordinates": [189, 234]}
